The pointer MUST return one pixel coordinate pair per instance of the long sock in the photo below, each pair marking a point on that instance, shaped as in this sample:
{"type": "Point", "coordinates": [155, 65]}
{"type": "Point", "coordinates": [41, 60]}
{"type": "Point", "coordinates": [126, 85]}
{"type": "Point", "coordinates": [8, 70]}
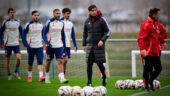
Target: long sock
{"type": "Point", "coordinates": [40, 74]}
{"type": "Point", "coordinates": [47, 75]}
{"type": "Point", "coordinates": [61, 76]}
{"type": "Point", "coordinates": [29, 73]}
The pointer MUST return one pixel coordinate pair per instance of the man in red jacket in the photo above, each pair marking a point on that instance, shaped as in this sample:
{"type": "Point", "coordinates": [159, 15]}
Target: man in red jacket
{"type": "Point", "coordinates": [149, 39]}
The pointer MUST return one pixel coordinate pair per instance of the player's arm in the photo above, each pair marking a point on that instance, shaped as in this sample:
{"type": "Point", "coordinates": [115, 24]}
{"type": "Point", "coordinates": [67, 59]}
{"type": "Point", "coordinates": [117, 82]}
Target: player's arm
{"type": "Point", "coordinates": [63, 37]}
{"type": "Point", "coordinates": [20, 30]}
{"type": "Point", "coordinates": [144, 31]}
{"type": "Point", "coordinates": [74, 38]}
{"type": "Point", "coordinates": [25, 31]}
{"type": "Point", "coordinates": [1, 34]}
{"type": "Point", "coordinates": [45, 31]}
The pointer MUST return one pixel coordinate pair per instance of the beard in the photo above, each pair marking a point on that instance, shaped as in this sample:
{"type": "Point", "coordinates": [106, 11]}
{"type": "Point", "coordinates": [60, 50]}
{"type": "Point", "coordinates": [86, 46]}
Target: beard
{"type": "Point", "coordinates": [36, 20]}
{"type": "Point", "coordinates": [57, 18]}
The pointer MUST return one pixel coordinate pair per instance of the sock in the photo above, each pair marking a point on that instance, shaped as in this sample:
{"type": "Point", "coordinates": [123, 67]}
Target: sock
{"type": "Point", "coordinates": [29, 73]}
{"type": "Point", "coordinates": [16, 70]}
{"type": "Point", "coordinates": [61, 75]}
{"type": "Point", "coordinates": [47, 75]}
{"type": "Point", "coordinates": [9, 73]}
{"type": "Point", "coordinates": [40, 74]}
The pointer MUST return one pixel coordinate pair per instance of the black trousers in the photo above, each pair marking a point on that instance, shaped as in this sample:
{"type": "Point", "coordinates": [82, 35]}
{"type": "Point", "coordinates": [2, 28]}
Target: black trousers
{"type": "Point", "coordinates": [91, 60]}
{"type": "Point", "coordinates": [152, 68]}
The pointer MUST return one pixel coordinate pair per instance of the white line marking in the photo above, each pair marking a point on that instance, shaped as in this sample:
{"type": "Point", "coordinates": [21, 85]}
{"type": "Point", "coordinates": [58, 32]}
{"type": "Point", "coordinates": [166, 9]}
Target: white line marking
{"type": "Point", "coordinates": [144, 92]}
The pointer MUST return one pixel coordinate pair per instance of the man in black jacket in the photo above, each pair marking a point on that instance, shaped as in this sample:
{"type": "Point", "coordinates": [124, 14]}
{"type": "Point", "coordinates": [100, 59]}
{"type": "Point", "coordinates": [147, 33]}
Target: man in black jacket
{"type": "Point", "coordinates": [96, 31]}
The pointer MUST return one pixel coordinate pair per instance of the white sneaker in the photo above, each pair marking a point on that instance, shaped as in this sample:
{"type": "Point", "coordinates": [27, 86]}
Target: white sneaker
{"type": "Point", "coordinates": [47, 81]}
{"type": "Point", "coordinates": [63, 80]}
{"type": "Point", "coordinates": [17, 76]}
{"type": "Point", "coordinates": [9, 77]}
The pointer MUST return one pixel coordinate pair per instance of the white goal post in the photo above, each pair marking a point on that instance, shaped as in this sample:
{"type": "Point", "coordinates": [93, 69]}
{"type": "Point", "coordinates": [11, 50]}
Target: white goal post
{"type": "Point", "coordinates": [133, 60]}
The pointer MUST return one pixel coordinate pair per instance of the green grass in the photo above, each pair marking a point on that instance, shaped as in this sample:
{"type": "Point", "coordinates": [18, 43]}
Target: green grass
{"type": "Point", "coordinates": [23, 88]}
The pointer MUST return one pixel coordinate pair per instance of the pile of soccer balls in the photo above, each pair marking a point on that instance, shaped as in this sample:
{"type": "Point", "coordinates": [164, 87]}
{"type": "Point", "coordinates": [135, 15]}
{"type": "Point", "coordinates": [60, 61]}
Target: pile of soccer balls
{"type": "Point", "coordinates": [78, 91]}
{"type": "Point", "coordinates": [131, 84]}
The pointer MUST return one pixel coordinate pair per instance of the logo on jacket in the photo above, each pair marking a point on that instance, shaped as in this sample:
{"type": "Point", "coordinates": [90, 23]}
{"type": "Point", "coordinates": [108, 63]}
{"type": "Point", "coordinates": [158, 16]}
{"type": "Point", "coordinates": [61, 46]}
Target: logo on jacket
{"type": "Point", "coordinates": [89, 23]}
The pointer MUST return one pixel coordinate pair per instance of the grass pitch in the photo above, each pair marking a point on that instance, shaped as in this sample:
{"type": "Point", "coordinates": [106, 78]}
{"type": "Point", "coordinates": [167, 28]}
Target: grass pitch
{"type": "Point", "coordinates": [23, 88]}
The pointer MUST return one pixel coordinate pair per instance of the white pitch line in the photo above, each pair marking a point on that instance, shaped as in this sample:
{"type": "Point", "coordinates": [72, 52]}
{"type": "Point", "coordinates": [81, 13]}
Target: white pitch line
{"type": "Point", "coordinates": [144, 92]}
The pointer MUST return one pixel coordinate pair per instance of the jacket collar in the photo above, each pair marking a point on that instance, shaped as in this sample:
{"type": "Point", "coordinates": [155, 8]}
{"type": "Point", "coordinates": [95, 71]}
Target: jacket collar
{"type": "Point", "coordinates": [150, 20]}
{"type": "Point", "coordinates": [99, 14]}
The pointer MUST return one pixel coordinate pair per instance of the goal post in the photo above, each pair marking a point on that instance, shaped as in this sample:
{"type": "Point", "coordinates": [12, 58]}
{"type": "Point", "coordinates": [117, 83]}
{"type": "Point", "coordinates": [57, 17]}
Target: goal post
{"type": "Point", "coordinates": [133, 60]}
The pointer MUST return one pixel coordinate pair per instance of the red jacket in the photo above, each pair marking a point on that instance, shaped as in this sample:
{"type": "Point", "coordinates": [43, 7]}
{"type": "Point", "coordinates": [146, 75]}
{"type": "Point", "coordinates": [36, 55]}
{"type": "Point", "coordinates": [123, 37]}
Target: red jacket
{"type": "Point", "coordinates": [163, 34]}
{"type": "Point", "coordinates": [149, 37]}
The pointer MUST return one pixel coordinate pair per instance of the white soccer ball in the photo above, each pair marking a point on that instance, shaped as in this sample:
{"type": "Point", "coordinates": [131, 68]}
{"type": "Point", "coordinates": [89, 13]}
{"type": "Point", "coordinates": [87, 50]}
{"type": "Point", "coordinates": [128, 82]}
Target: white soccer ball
{"type": "Point", "coordinates": [103, 90]}
{"type": "Point", "coordinates": [97, 91]}
{"type": "Point", "coordinates": [123, 85]}
{"type": "Point", "coordinates": [139, 84]}
{"type": "Point", "coordinates": [77, 91]}
{"type": "Point", "coordinates": [133, 86]}
{"type": "Point", "coordinates": [118, 83]}
{"type": "Point", "coordinates": [129, 84]}
{"type": "Point", "coordinates": [69, 88]}
{"type": "Point", "coordinates": [88, 91]}
{"type": "Point", "coordinates": [156, 84]}
{"type": "Point", "coordinates": [64, 91]}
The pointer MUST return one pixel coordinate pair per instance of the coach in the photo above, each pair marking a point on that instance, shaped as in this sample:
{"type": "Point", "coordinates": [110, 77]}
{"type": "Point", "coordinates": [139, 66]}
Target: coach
{"type": "Point", "coordinates": [96, 31]}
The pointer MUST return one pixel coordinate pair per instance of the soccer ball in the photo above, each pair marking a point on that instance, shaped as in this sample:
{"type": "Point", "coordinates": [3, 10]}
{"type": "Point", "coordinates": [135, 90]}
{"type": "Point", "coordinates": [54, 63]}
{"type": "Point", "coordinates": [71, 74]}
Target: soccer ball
{"type": "Point", "coordinates": [133, 86]}
{"type": "Point", "coordinates": [88, 91]}
{"type": "Point", "coordinates": [128, 84]}
{"type": "Point", "coordinates": [97, 91]}
{"type": "Point", "coordinates": [123, 85]}
{"type": "Point", "coordinates": [156, 84]}
{"type": "Point", "coordinates": [139, 84]}
{"type": "Point", "coordinates": [64, 91]}
{"type": "Point", "coordinates": [103, 90]}
{"type": "Point", "coordinates": [69, 88]}
{"type": "Point", "coordinates": [77, 91]}
{"type": "Point", "coordinates": [118, 83]}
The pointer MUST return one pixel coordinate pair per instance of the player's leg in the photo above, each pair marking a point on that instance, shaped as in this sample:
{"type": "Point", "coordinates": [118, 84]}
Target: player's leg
{"type": "Point", "coordinates": [147, 67]}
{"type": "Point", "coordinates": [18, 59]}
{"type": "Point", "coordinates": [65, 59]}
{"type": "Point", "coordinates": [8, 52]}
{"type": "Point", "coordinates": [39, 56]}
{"type": "Point", "coordinates": [102, 69]}
{"type": "Point", "coordinates": [49, 57]}
{"type": "Point", "coordinates": [157, 69]}
{"type": "Point", "coordinates": [31, 54]}
{"type": "Point", "coordinates": [59, 57]}
{"type": "Point", "coordinates": [90, 61]}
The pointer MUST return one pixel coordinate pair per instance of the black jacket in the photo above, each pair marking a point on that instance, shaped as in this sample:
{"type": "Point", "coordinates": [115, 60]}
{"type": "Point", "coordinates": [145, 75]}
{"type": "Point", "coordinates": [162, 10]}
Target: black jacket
{"type": "Point", "coordinates": [93, 33]}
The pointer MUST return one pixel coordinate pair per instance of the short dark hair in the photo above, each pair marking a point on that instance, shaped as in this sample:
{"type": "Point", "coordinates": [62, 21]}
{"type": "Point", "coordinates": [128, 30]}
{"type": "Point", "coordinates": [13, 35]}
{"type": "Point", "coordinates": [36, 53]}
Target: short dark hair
{"type": "Point", "coordinates": [56, 10]}
{"type": "Point", "coordinates": [66, 10]}
{"type": "Point", "coordinates": [91, 7]}
{"type": "Point", "coordinates": [35, 11]}
{"type": "Point", "coordinates": [10, 9]}
{"type": "Point", "coordinates": [153, 11]}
